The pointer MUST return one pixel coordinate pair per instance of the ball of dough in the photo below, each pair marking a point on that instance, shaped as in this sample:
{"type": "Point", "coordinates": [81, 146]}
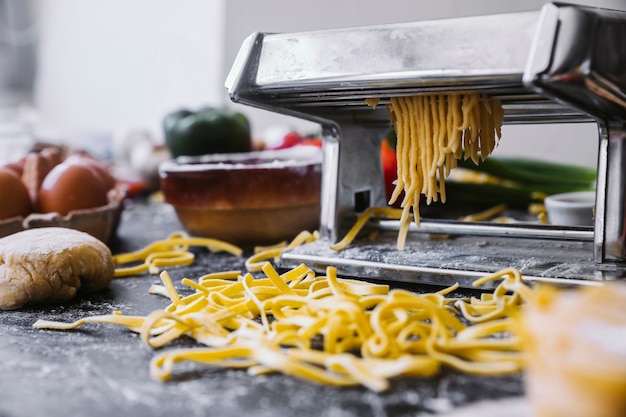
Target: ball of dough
{"type": "Point", "coordinates": [51, 265]}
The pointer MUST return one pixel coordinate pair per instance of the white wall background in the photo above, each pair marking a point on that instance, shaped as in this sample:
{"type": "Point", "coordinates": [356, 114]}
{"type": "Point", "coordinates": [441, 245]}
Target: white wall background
{"type": "Point", "coordinates": [104, 64]}
{"type": "Point", "coordinates": [110, 63]}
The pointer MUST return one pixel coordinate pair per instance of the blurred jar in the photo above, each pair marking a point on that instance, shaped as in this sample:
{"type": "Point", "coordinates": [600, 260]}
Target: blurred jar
{"type": "Point", "coordinates": [18, 66]}
{"type": "Point", "coordinates": [18, 51]}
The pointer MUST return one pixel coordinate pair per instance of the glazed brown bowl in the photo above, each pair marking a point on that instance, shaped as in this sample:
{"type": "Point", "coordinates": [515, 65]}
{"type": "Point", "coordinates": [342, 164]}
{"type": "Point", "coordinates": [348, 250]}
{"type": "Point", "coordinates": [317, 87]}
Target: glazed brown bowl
{"type": "Point", "coordinates": [252, 198]}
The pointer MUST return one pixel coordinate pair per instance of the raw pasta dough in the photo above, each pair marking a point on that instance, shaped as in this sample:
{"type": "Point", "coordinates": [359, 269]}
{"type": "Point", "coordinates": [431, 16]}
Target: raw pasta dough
{"type": "Point", "coordinates": [51, 265]}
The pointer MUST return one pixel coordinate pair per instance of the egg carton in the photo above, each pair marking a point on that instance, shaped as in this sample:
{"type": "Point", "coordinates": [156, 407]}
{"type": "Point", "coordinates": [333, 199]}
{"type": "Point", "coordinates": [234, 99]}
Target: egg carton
{"type": "Point", "coordinates": [100, 222]}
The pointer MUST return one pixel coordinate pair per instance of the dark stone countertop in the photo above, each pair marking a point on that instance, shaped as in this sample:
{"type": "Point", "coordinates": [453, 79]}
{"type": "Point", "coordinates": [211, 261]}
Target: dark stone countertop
{"type": "Point", "coordinates": [103, 370]}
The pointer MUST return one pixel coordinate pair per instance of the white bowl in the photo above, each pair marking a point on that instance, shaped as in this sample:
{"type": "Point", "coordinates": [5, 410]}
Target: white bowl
{"type": "Point", "coordinates": [571, 209]}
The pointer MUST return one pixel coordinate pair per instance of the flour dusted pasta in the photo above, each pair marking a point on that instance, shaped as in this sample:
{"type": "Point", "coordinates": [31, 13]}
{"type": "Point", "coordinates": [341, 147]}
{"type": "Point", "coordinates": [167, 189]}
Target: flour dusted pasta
{"type": "Point", "coordinates": [327, 329]}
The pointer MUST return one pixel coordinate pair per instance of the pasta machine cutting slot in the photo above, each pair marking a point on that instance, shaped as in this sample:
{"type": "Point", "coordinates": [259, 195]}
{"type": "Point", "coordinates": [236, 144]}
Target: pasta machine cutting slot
{"type": "Point", "coordinates": [562, 63]}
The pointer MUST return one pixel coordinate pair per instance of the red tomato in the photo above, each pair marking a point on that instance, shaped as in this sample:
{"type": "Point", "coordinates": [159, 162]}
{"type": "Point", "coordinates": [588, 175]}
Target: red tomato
{"type": "Point", "coordinates": [390, 172]}
{"type": "Point", "coordinates": [312, 142]}
{"type": "Point", "coordinates": [289, 140]}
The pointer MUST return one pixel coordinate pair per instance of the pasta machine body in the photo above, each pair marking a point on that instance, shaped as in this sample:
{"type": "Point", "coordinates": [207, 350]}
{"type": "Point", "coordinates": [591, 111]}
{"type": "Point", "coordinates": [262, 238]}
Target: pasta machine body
{"type": "Point", "coordinates": [560, 64]}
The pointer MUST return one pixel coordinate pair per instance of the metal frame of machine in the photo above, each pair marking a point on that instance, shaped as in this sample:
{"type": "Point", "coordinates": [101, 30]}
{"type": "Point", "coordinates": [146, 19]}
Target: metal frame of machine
{"type": "Point", "coordinates": [563, 63]}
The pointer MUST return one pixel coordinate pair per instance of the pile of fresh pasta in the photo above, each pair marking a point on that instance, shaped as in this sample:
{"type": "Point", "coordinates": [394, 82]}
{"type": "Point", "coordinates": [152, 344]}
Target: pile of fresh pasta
{"type": "Point", "coordinates": [433, 132]}
{"type": "Point", "coordinates": [318, 327]}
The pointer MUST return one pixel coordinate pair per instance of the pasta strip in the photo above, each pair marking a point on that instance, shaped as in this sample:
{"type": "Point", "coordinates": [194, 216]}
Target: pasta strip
{"type": "Point", "coordinates": [362, 220]}
{"type": "Point", "coordinates": [432, 132]}
{"type": "Point", "coordinates": [263, 255]}
{"type": "Point", "coordinates": [168, 252]}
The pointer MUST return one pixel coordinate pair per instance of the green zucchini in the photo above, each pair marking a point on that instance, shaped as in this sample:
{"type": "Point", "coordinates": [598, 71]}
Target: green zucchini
{"type": "Point", "coordinates": [530, 172]}
{"type": "Point", "coordinates": [470, 193]}
{"type": "Point", "coordinates": [527, 180]}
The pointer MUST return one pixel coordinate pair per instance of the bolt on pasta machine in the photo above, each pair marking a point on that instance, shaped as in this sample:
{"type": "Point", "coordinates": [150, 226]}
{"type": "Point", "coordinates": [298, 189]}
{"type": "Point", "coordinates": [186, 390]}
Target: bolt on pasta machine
{"type": "Point", "coordinates": [562, 63]}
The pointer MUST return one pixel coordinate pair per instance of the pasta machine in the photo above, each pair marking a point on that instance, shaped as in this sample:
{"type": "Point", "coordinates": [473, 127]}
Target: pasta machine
{"type": "Point", "coordinates": [562, 63]}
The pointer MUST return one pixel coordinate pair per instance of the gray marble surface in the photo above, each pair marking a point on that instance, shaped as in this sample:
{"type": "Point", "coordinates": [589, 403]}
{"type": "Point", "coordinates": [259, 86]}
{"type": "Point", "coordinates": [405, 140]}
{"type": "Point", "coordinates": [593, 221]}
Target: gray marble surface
{"type": "Point", "coordinates": [103, 370]}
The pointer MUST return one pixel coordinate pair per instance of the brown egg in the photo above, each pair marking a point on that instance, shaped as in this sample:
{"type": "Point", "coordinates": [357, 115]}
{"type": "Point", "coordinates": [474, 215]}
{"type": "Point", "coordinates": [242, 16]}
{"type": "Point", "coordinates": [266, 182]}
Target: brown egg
{"type": "Point", "coordinates": [95, 165]}
{"type": "Point", "coordinates": [71, 186]}
{"type": "Point", "coordinates": [14, 198]}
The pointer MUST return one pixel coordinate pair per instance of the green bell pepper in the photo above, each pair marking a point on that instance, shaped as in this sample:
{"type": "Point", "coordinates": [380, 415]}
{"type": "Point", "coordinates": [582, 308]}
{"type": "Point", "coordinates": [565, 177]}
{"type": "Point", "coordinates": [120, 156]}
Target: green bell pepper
{"type": "Point", "coordinates": [206, 131]}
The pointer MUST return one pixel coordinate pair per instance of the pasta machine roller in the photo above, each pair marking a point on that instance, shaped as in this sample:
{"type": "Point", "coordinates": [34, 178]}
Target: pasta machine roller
{"type": "Point", "coordinates": [562, 63]}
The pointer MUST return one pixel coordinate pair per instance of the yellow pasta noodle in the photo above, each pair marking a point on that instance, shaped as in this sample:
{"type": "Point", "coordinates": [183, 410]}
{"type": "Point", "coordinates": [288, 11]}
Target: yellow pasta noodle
{"type": "Point", "coordinates": [433, 131]}
{"type": "Point", "coordinates": [486, 214]}
{"type": "Point", "coordinates": [327, 329]}
{"type": "Point", "coordinates": [361, 221]}
{"type": "Point", "coordinates": [172, 251]}
{"type": "Point", "coordinates": [263, 255]}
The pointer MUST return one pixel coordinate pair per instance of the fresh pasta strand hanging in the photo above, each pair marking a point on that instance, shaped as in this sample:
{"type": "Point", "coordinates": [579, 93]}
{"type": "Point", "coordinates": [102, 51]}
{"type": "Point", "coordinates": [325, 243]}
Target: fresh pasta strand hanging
{"type": "Point", "coordinates": [433, 132]}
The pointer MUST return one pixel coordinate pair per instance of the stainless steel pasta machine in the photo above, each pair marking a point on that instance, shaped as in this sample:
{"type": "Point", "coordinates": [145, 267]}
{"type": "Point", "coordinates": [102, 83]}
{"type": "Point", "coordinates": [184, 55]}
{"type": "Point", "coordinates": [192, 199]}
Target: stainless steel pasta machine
{"type": "Point", "coordinates": [563, 63]}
